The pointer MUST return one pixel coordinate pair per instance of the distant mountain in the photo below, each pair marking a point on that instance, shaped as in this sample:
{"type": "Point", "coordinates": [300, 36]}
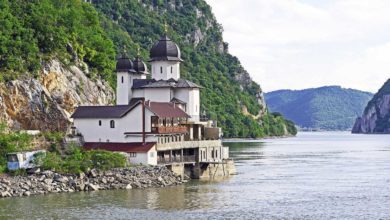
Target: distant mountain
{"type": "Point", "coordinates": [376, 116]}
{"type": "Point", "coordinates": [327, 108]}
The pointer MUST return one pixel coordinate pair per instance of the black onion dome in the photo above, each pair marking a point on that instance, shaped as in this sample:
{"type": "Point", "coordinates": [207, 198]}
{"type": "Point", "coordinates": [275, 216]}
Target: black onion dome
{"type": "Point", "coordinates": [165, 49]}
{"type": "Point", "coordinates": [124, 64]}
{"type": "Point", "coordinates": [139, 66]}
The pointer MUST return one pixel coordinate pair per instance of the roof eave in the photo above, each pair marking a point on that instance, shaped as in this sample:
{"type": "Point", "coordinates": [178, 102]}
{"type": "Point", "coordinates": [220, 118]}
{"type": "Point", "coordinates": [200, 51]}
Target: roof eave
{"type": "Point", "coordinates": [165, 59]}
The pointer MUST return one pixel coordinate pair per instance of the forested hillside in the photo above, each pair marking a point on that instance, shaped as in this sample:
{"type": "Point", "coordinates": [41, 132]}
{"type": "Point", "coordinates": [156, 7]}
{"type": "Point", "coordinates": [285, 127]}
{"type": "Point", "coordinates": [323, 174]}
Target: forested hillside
{"type": "Point", "coordinates": [90, 34]}
{"type": "Point", "coordinates": [32, 32]}
{"type": "Point", "coordinates": [328, 108]}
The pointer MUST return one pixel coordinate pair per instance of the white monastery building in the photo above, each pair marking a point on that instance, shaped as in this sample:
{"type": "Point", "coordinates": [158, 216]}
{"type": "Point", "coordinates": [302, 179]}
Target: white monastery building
{"type": "Point", "coordinates": [156, 119]}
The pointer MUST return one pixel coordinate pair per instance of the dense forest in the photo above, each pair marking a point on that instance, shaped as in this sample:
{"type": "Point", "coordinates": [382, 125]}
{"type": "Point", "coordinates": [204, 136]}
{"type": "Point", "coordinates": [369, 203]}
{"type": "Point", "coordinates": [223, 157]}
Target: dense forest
{"type": "Point", "coordinates": [327, 108]}
{"type": "Point", "coordinates": [77, 32]}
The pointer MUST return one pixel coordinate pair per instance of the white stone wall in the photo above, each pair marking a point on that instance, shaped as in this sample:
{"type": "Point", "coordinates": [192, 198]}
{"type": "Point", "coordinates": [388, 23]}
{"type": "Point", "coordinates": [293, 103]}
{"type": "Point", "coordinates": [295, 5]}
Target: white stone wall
{"type": "Point", "coordinates": [158, 94]}
{"type": "Point", "coordinates": [145, 158]}
{"type": "Point", "coordinates": [124, 84]}
{"type": "Point", "coordinates": [132, 122]}
{"type": "Point", "coordinates": [132, 78]}
{"type": "Point", "coordinates": [138, 93]}
{"type": "Point", "coordinates": [192, 97]}
{"type": "Point", "coordinates": [123, 88]}
{"type": "Point", "coordinates": [165, 70]}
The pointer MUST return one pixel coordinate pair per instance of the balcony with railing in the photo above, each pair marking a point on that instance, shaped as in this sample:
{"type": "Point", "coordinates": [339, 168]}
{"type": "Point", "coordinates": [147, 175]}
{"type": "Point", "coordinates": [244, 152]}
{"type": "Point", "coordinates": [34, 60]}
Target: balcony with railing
{"type": "Point", "coordinates": [172, 129]}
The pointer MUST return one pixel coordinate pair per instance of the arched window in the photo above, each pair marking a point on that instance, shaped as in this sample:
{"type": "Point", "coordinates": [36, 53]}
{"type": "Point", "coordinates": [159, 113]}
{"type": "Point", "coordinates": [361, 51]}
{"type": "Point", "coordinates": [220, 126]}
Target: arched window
{"type": "Point", "coordinates": [122, 79]}
{"type": "Point", "coordinates": [112, 124]}
{"type": "Point", "coordinates": [161, 70]}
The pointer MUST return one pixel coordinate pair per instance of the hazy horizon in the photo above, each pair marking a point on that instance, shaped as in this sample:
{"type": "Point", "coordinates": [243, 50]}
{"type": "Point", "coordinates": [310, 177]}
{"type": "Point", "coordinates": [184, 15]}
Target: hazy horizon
{"type": "Point", "coordinates": [300, 44]}
{"type": "Point", "coordinates": [321, 87]}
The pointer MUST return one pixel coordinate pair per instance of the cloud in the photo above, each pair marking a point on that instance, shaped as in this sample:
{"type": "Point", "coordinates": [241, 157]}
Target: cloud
{"type": "Point", "coordinates": [308, 43]}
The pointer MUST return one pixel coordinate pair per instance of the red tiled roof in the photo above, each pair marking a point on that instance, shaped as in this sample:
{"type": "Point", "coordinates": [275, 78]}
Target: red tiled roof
{"type": "Point", "coordinates": [166, 109]}
{"type": "Point", "coordinates": [120, 147]}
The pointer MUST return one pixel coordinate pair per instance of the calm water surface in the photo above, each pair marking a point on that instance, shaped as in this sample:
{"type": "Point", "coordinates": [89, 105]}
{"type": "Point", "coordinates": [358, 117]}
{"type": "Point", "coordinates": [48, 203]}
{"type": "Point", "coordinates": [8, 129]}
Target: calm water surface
{"type": "Point", "coordinates": [312, 176]}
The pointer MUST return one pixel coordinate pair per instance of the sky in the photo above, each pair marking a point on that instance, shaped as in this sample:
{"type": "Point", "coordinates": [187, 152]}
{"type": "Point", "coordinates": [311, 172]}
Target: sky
{"type": "Point", "coordinates": [298, 44]}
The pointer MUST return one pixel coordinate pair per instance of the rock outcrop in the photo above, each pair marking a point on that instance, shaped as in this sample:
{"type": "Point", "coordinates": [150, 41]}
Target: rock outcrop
{"type": "Point", "coordinates": [119, 178]}
{"type": "Point", "coordinates": [246, 83]}
{"type": "Point", "coordinates": [47, 101]}
{"type": "Point", "coordinates": [376, 116]}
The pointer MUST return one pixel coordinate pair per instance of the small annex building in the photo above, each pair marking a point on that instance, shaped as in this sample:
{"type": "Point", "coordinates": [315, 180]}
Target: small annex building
{"type": "Point", "coordinates": [137, 153]}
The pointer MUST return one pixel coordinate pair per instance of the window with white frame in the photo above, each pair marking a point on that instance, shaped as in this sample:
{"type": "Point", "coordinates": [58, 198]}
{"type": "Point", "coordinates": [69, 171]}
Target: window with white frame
{"type": "Point", "coordinates": [132, 154]}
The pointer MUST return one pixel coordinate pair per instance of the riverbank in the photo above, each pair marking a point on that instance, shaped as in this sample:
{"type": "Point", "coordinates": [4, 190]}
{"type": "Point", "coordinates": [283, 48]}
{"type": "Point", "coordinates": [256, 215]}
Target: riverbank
{"type": "Point", "coordinates": [120, 178]}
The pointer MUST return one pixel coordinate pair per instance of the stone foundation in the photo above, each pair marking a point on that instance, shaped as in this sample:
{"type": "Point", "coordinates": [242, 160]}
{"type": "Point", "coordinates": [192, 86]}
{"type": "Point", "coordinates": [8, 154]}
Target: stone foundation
{"type": "Point", "coordinates": [215, 170]}
{"type": "Point", "coordinates": [204, 170]}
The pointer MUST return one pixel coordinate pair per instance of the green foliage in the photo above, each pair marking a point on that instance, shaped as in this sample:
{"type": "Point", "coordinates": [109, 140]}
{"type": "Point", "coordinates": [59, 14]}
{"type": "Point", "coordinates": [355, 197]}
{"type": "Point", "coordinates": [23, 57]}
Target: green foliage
{"type": "Point", "coordinates": [11, 142]}
{"type": "Point", "coordinates": [78, 160]}
{"type": "Point", "coordinates": [19, 172]}
{"type": "Point", "coordinates": [329, 108]}
{"type": "Point", "coordinates": [56, 137]}
{"type": "Point", "coordinates": [55, 140]}
{"type": "Point", "coordinates": [35, 31]}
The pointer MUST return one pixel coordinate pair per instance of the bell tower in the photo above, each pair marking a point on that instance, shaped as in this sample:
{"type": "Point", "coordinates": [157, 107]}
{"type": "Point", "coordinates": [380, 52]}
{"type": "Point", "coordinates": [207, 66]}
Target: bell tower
{"type": "Point", "coordinates": [124, 66]}
{"type": "Point", "coordinates": [165, 59]}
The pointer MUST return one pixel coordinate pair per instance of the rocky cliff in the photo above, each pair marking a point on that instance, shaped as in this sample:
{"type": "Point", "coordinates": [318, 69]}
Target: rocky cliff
{"type": "Point", "coordinates": [46, 102]}
{"type": "Point", "coordinates": [376, 116]}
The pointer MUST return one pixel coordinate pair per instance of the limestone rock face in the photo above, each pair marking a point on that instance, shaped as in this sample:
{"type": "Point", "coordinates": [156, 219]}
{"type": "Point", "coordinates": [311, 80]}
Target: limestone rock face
{"type": "Point", "coordinates": [245, 81]}
{"type": "Point", "coordinates": [376, 117]}
{"type": "Point", "coordinates": [47, 102]}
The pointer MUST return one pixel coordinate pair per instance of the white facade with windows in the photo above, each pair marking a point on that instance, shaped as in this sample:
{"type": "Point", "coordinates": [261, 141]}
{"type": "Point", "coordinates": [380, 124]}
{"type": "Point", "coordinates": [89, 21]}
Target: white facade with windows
{"type": "Point", "coordinates": [149, 157]}
{"type": "Point", "coordinates": [114, 129]}
{"type": "Point", "coordinates": [164, 70]}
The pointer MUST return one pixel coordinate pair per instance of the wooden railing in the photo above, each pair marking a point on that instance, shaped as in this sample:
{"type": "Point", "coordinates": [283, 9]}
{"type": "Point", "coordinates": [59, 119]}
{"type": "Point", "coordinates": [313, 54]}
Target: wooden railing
{"type": "Point", "coordinates": [174, 129]}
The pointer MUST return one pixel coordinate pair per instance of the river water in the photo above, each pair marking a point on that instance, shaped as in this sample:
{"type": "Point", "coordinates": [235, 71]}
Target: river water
{"type": "Point", "coordinates": [312, 176]}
